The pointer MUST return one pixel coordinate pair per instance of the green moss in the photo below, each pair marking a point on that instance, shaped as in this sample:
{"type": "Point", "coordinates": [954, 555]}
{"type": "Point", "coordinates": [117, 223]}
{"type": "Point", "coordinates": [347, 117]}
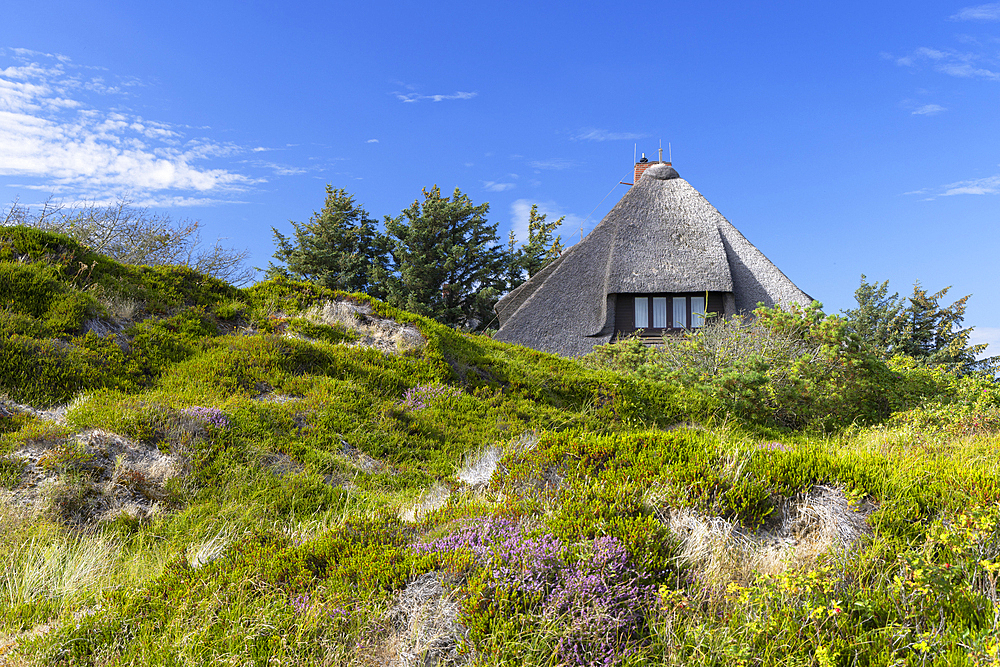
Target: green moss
{"type": "Point", "coordinates": [323, 332]}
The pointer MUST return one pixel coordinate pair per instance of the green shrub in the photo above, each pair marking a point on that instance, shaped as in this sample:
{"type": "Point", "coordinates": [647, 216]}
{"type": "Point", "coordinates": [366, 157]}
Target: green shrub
{"type": "Point", "coordinates": [34, 290]}
{"type": "Point", "coordinates": [330, 334]}
{"type": "Point", "coordinates": [793, 369]}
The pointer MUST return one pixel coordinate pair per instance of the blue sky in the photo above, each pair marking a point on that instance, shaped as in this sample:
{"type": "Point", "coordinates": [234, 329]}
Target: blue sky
{"type": "Point", "coordinates": [848, 138]}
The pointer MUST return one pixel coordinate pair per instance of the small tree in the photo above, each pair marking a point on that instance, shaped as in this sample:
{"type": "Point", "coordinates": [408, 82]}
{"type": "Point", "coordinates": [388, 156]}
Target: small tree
{"type": "Point", "coordinates": [339, 248]}
{"type": "Point", "coordinates": [917, 327]}
{"type": "Point", "coordinates": [134, 235]}
{"type": "Point", "coordinates": [880, 320]}
{"type": "Point", "coordinates": [540, 249]}
{"type": "Point", "coordinates": [445, 260]}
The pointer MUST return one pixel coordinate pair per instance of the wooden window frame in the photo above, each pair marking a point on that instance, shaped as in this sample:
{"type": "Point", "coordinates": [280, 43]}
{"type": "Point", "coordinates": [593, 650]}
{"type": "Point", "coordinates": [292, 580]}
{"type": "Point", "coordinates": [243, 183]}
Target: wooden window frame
{"type": "Point", "coordinates": [670, 328]}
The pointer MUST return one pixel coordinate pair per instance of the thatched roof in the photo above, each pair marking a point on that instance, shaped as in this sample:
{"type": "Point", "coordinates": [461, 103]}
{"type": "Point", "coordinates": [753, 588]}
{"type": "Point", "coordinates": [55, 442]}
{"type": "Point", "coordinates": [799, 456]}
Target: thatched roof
{"type": "Point", "coordinates": [663, 236]}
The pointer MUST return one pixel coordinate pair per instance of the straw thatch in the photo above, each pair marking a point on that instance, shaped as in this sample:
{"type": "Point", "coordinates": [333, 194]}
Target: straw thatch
{"type": "Point", "coordinates": [663, 236]}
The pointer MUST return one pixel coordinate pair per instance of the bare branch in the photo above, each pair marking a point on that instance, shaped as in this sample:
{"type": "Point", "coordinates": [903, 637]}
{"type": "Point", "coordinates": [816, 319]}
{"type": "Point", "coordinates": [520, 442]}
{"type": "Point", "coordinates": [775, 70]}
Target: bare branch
{"type": "Point", "coordinates": [136, 235]}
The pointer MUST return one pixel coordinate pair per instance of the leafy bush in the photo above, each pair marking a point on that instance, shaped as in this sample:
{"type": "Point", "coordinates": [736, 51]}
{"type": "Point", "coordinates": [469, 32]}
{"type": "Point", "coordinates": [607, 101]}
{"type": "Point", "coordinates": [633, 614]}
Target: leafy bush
{"type": "Point", "coordinates": [792, 369]}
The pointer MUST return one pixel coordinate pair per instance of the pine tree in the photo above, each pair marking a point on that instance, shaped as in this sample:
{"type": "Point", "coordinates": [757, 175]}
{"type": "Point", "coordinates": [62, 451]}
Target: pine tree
{"type": "Point", "coordinates": [541, 248]}
{"type": "Point", "coordinates": [446, 262]}
{"type": "Point", "coordinates": [918, 327]}
{"type": "Point", "coordinates": [936, 336]}
{"type": "Point", "coordinates": [880, 320]}
{"type": "Point", "coordinates": [340, 247]}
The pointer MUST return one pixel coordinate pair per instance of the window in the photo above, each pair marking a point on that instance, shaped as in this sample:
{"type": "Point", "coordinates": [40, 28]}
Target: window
{"type": "Point", "coordinates": [680, 312]}
{"type": "Point", "coordinates": [697, 311]}
{"type": "Point", "coordinates": [641, 312]}
{"type": "Point", "coordinates": [659, 312]}
{"type": "Point", "coordinates": [656, 314]}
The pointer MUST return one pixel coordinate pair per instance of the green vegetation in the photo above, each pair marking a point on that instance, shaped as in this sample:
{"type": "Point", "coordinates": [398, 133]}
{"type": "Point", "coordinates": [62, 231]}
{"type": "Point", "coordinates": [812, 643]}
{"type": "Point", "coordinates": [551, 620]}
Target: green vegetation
{"type": "Point", "coordinates": [134, 235]}
{"type": "Point", "coordinates": [921, 329]}
{"type": "Point", "coordinates": [439, 258]}
{"type": "Point", "coordinates": [287, 474]}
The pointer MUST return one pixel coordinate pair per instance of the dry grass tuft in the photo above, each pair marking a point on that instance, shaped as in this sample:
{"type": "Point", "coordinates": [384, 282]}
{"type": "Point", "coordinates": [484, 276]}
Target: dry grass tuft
{"type": "Point", "coordinates": [424, 627]}
{"type": "Point", "coordinates": [383, 334]}
{"type": "Point", "coordinates": [207, 550]}
{"type": "Point", "coordinates": [478, 467]}
{"type": "Point", "coordinates": [808, 525]}
{"type": "Point", "coordinates": [432, 499]}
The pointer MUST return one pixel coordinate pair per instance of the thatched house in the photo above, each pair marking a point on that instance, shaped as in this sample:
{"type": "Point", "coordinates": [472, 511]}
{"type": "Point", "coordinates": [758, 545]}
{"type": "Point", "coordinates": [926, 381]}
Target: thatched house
{"type": "Point", "coordinates": [660, 260]}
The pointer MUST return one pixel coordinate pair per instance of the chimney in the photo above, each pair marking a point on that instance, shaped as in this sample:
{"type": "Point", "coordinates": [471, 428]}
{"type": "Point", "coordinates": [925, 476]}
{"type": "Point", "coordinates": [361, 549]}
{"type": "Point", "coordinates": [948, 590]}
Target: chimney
{"type": "Point", "coordinates": [644, 164]}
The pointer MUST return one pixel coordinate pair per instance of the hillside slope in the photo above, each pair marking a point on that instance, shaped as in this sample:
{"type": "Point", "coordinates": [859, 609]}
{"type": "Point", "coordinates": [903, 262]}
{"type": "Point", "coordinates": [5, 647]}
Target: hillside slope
{"type": "Point", "coordinates": [193, 473]}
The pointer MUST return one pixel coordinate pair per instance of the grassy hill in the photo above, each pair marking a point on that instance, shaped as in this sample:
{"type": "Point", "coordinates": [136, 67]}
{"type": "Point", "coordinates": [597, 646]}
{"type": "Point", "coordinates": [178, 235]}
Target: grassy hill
{"type": "Point", "coordinates": [192, 473]}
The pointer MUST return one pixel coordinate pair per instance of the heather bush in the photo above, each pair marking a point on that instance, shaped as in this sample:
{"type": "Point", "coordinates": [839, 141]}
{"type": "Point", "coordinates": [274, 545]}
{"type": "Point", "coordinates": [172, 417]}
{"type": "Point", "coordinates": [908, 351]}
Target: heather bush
{"type": "Point", "coordinates": [591, 599]}
{"type": "Point", "coordinates": [278, 542]}
{"type": "Point", "coordinates": [213, 417]}
{"type": "Point", "coordinates": [422, 396]}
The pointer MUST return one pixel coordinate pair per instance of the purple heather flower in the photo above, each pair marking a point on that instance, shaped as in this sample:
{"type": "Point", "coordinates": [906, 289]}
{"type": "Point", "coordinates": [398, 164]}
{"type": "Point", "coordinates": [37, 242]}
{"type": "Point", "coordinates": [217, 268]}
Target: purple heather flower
{"type": "Point", "coordinates": [211, 416]}
{"type": "Point", "coordinates": [599, 599]}
{"type": "Point", "coordinates": [300, 603]}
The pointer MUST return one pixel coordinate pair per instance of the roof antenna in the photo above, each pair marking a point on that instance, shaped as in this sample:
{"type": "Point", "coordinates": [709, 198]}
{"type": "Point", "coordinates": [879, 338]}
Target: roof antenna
{"type": "Point", "coordinates": [670, 153]}
{"type": "Point", "coordinates": [661, 150]}
{"type": "Point", "coordinates": [635, 147]}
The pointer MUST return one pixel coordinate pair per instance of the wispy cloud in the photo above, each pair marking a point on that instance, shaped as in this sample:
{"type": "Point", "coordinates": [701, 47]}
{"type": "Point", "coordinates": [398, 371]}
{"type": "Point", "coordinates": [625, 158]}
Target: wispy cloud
{"type": "Point", "coordinates": [989, 185]}
{"type": "Point", "coordinates": [277, 168]}
{"type": "Point", "coordinates": [50, 131]}
{"type": "Point", "coordinates": [988, 12]}
{"type": "Point", "coordinates": [592, 134]}
{"type": "Point", "coordinates": [988, 335]}
{"type": "Point", "coordinates": [372, 141]}
{"type": "Point", "coordinates": [959, 64]}
{"type": "Point", "coordinates": [555, 163]}
{"type": "Point", "coordinates": [493, 186]}
{"type": "Point", "coordinates": [521, 209]}
{"type": "Point", "coordinates": [416, 97]}
{"type": "Point", "coordinates": [928, 110]}
{"type": "Point", "coordinates": [977, 186]}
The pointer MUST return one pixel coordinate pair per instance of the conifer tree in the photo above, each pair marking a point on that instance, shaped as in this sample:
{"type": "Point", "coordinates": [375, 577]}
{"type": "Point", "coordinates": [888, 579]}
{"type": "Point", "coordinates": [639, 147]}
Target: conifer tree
{"type": "Point", "coordinates": [880, 320]}
{"type": "Point", "coordinates": [541, 247]}
{"type": "Point", "coordinates": [918, 327]}
{"type": "Point", "coordinates": [446, 262]}
{"type": "Point", "coordinates": [339, 248]}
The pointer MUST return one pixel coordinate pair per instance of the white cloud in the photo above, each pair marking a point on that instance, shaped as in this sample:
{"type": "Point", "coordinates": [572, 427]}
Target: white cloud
{"type": "Point", "coordinates": [950, 62]}
{"type": "Point", "coordinates": [493, 186]}
{"type": "Point", "coordinates": [277, 168]}
{"type": "Point", "coordinates": [592, 134]}
{"type": "Point", "coordinates": [416, 97]}
{"type": "Point", "coordinates": [988, 12]}
{"type": "Point", "coordinates": [556, 163]}
{"type": "Point", "coordinates": [989, 185]}
{"type": "Point", "coordinates": [372, 141]}
{"type": "Point", "coordinates": [929, 110]}
{"type": "Point", "coordinates": [180, 201]}
{"type": "Point", "coordinates": [977, 186]}
{"type": "Point", "coordinates": [521, 209]}
{"type": "Point", "coordinates": [988, 335]}
{"type": "Point", "coordinates": [51, 133]}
